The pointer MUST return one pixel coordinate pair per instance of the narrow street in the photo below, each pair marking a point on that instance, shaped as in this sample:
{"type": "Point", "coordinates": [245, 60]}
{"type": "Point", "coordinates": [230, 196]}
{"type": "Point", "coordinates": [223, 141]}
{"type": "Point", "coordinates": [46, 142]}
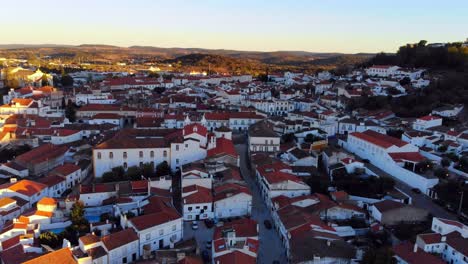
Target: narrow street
{"type": "Point", "coordinates": [271, 248]}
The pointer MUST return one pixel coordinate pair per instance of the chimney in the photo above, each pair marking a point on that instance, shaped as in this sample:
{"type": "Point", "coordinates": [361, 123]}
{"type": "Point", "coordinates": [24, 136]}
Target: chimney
{"type": "Point", "coordinates": [415, 248]}
{"type": "Point", "coordinates": [443, 239]}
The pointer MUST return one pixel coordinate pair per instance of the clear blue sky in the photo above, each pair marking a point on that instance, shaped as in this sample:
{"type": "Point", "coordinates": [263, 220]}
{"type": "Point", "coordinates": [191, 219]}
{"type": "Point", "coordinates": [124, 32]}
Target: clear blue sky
{"type": "Point", "coordinates": [266, 25]}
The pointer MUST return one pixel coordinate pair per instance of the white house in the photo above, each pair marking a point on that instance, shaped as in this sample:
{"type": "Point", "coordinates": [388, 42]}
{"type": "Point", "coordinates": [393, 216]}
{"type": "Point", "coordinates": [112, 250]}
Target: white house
{"type": "Point", "coordinates": [262, 138]}
{"type": "Point", "coordinates": [197, 203]}
{"type": "Point", "coordinates": [425, 122]}
{"type": "Point", "coordinates": [394, 156]}
{"type": "Point", "coordinates": [231, 200]}
{"type": "Point", "coordinates": [382, 70]}
{"type": "Point", "coordinates": [161, 226]}
{"type": "Point", "coordinates": [122, 247]}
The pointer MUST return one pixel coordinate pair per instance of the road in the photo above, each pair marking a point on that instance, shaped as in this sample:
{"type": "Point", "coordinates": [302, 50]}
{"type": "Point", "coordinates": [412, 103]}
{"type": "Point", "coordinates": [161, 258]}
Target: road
{"type": "Point", "coordinates": [271, 248]}
{"type": "Point", "coordinates": [419, 200]}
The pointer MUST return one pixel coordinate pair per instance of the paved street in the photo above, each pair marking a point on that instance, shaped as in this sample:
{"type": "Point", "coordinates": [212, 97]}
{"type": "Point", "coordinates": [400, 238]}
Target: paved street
{"type": "Point", "coordinates": [271, 248]}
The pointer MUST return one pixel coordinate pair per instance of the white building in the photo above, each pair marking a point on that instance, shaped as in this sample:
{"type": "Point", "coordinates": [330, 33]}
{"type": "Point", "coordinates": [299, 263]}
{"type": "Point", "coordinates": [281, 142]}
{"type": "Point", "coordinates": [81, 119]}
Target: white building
{"type": "Point", "coordinates": [161, 226]}
{"type": "Point", "coordinates": [382, 70]}
{"type": "Point", "coordinates": [122, 247]}
{"type": "Point", "coordinates": [425, 122]}
{"type": "Point", "coordinates": [197, 202]}
{"type": "Point", "coordinates": [391, 155]}
{"type": "Point", "coordinates": [262, 138]}
{"type": "Point", "coordinates": [231, 200]}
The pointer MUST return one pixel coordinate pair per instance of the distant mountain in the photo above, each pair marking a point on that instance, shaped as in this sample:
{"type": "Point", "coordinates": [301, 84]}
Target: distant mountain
{"type": "Point", "coordinates": [23, 46]}
{"type": "Point", "coordinates": [218, 59]}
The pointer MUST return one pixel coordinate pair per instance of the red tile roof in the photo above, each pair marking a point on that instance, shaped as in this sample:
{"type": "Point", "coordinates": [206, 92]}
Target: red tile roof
{"type": "Point", "coordinates": [27, 187]}
{"type": "Point", "coordinates": [235, 257]}
{"type": "Point", "coordinates": [119, 239]}
{"type": "Point", "coordinates": [202, 195]}
{"type": "Point", "coordinates": [66, 169]}
{"type": "Point", "coordinates": [42, 153]}
{"type": "Point", "coordinates": [379, 139]}
{"type": "Point", "coordinates": [62, 256]}
{"type": "Point", "coordinates": [406, 252]}
{"type": "Point", "coordinates": [429, 118]}
{"type": "Point", "coordinates": [224, 146]}
{"type": "Point", "coordinates": [407, 156]}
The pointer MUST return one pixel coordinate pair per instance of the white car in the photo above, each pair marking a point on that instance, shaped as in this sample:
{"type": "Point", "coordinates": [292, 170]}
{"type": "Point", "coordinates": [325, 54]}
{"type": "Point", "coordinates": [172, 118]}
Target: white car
{"type": "Point", "coordinates": [194, 225]}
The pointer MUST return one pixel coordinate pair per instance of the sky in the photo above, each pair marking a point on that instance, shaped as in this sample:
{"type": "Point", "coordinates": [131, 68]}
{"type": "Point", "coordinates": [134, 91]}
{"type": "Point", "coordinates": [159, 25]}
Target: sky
{"type": "Point", "coordinates": [348, 26]}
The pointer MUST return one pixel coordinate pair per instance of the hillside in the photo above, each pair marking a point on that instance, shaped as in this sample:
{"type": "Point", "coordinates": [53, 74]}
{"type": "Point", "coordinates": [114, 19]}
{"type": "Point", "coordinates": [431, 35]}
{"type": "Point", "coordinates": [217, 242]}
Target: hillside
{"type": "Point", "coordinates": [219, 60]}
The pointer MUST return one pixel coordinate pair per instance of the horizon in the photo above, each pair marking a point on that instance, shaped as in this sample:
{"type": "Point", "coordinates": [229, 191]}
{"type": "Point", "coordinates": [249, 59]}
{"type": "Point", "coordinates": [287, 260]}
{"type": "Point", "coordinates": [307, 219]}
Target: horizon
{"type": "Point", "coordinates": [264, 26]}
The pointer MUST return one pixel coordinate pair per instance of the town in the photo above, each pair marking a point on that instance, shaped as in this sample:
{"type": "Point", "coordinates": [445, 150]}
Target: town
{"type": "Point", "coordinates": [154, 165]}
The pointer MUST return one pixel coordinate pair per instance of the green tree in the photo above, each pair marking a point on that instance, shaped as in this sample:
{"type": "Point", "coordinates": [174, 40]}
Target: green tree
{"type": "Point", "coordinates": [133, 173]}
{"type": "Point", "coordinates": [44, 80]}
{"type": "Point", "coordinates": [163, 169]}
{"type": "Point", "coordinates": [67, 80]}
{"type": "Point", "coordinates": [147, 170]}
{"type": "Point", "coordinates": [108, 176]}
{"type": "Point", "coordinates": [79, 223]}
{"type": "Point", "coordinates": [50, 239]}
{"type": "Point", "coordinates": [70, 112]}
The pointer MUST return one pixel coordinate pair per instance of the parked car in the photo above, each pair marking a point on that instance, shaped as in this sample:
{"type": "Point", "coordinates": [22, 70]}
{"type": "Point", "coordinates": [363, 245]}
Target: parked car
{"type": "Point", "coordinates": [416, 190]}
{"type": "Point", "coordinates": [194, 225]}
{"type": "Point", "coordinates": [209, 223]}
{"type": "Point", "coordinates": [208, 244]}
{"type": "Point", "coordinates": [267, 224]}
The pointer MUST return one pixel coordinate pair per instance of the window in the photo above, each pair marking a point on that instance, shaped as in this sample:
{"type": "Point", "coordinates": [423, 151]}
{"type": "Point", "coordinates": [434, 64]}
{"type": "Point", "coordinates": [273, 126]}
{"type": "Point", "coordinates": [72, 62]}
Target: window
{"type": "Point", "coordinates": [141, 154]}
{"type": "Point", "coordinates": [205, 207]}
{"type": "Point", "coordinates": [271, 142]}
{"type": "Point", "coordinates": [189, 217]}
{"type": "Point", "coordinates": [266, 141]}
{"type": "Point", "coordinates": [161, 232]}
{"type": "Point", "coordinates": [125, 165]}
{"type": "Point", "coordinates": [141, 164]}
{"type": "Point", "coordinates": [111, 155]}
{"type": "Point", "coordinates": [99, 155]}
{"type": "Point", "coordinates": [165, 154]}
{"type": "Point", "coordinates": [152, 154]}
{"type": "Point", "coordinates": [177, 161]}
{"type": "Point", "coordinates": [174, 227]}
{"type": "Point", "coordinates": [148, 236]}
{"type": "Point", "coordinates": [197, 207]}
{"type": "Point", "coordinates": [186, 145]}
{"type": "Point", "coordinates": [125, 155]}
{"type": "Point", "coordinates": [124, 260]}
{"type": "Point", "coordinates": [190, 208]}
{"type": "Point", "coordinates": [177, 147]}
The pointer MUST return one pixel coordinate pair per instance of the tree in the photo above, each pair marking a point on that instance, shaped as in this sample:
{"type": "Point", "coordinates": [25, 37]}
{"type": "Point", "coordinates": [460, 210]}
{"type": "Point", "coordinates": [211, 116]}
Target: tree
{"type": "Point", "coordinates": [445, 162]}
{"type": "Point", "coordinates": [147, 170]}
{"type": "Point", "coordinates": [442, 148]}
{"type": "Point", "coordinates": [70, 111]}
{"type": "Point", "coordinates": [44, 80]}
{"type": "Point", "coordinates": [50, 239]}
{"type": "Point", "coordinates": [79, 223]}
{"type": "Point", "coordinates": [133, 173]}
{"type": "Point", "coordinates": [163, 169]}
{"type": "Point", "coordinates": [67, 80]}
{"type": "Point", "coordinates": [108, 176]}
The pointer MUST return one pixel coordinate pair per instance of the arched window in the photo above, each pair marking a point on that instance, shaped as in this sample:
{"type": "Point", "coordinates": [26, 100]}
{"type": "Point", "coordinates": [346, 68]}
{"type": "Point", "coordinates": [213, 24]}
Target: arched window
{"type": "Point", "coordinates": [152, 154]}
{"type": "Point", "coordinates": [99, 155]}
{"type": "Point", "coordinates": [141, 154]}
{"type": "Point", "coordinates": [125, 165]}
{"type": "Point", "coordinates": [111, 155]}
{"type": "Point", "coordinates": [165, 154]}
{"type": "Point", "coordinates": [125, 154]}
